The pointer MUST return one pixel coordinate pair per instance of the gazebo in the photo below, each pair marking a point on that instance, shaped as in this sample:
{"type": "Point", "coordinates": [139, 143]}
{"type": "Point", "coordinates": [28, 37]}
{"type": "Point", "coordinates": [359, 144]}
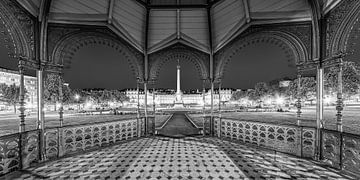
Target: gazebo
{"type": "Point", "coordinates": [44, 35]}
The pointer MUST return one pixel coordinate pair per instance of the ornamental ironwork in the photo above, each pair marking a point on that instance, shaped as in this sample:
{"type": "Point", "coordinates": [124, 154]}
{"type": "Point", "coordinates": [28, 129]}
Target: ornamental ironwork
{"type": "Point", "coordinates": [294, 140]}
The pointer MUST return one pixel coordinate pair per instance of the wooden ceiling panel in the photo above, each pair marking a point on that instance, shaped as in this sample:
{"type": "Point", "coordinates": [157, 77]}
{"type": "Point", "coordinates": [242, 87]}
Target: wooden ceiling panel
{"type": "Point", "coordinates": [278, 5]}
{"type": "Point", "coordinates": [225, 16]}
{"type": "Point", "coordinates": [194, 25]}
{"type": "Point", "coordinates": [131, 16]}
{"type": "Point", "coordinates": [79, 6]}
{"type": "Point", "coordinates": [162, 25]}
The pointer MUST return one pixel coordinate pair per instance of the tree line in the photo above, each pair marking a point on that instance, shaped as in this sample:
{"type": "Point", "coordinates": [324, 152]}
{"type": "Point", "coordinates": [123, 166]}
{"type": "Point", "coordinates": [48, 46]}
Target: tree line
{"type": "Point", "coordinates": [10, 93]}
{"type": "Point", "coordinates": [263, 90]}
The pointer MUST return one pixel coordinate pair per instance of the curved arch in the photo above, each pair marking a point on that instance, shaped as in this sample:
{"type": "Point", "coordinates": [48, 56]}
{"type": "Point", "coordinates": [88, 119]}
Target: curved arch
{"type": "Point", "coordinates": [178, 53]}
{"type": "Point", "coordinates": [68, 45]}
{"type": "Point", "coordinates": [292, 46]}
{"type": "Point", "coordinates": [340, 41]}
{"type": "Point", "coordinates": [17, 29]}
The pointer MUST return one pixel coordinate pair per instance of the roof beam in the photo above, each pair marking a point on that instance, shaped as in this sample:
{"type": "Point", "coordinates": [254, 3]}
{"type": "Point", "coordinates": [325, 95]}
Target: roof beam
{"type": "Point", "coordinates": [30, 7]}
{"type": "Point", "coordinates": [332, 5]}
{"type": "Point", "coordinates": [211, 59]}
{"type": "Point", "coordinates": [247, 10]}
{"type": "Point", "coordinates": [281, 15]}
{"type": "Point", "coordinates": [110, 11]}
{"type": "Point", "coordinates": [44, 9]}
{"type": "Point", "coordinates": [146, 43]}
{"type": "Point", "coordinates": [180, 6]}
{"type": "Point", "coordinates": [70, 18]}
{"type": "Point", "coordinates": [142, 3]}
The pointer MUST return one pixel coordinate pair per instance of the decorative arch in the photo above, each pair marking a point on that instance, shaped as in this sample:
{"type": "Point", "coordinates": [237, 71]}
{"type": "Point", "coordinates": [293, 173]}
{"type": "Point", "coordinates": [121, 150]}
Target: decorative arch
{"type": "Point", "coordinates": [158, 59]}
{"type": "Point", "coordinates": [69, 44]}
{"type": "Point", "coordinates": [341, 22]}
{"type": "Point", "coordinates": [294, 49]}
{"type": "Point", "coordinates": [18, 30]}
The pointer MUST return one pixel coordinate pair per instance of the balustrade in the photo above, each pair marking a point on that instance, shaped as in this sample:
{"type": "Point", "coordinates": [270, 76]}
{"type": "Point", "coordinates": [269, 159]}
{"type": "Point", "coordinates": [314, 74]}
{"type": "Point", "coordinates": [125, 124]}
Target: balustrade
{"type": "Point", "coordinates": [341, 150]}
{"type": "Point", "coordinates": [295, 140]}
{"type": "Point", "coordinates": [20, 150]}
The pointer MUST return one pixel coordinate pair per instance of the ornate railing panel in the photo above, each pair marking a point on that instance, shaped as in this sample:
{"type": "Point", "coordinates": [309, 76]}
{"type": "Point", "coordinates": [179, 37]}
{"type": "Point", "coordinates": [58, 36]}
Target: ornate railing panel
{"type": "Point", "coordinates": [69, 139]}
{"type": "Point", "coordinates": [308, 138]}
{"type": "Point", "coordinates": [351, 153]}
{"type": "Point", "coordinates": [285, 138]}
{"type": "Point", "coordinates": [18, 150]}
{"type": "Point", "coordinates": [9, 153]}
{"type": "Point", "coordinates": [29, 148]}
{"type": "Point", "coordinates": [330, 147]}
{"type": "Point", "coordinates": [341, 150]}
{"type": "Point", "coordinates": [52, 143]}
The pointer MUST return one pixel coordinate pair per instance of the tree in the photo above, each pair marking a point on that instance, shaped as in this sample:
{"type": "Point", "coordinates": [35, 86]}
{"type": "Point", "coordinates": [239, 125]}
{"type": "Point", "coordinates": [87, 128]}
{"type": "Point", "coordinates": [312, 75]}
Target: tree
{"type": "Point", "coordinates": [351, 78]}
{"type": "Point", "coordinates": [237, 95]}
{"type": "Point", "coordinates": [119, 96]}
{"type": "Point", "coordinates": [10, 94]}
{"type": "Point", "coordinates": [307, 90]}
{"type": "Point", "coordinates": [51, 90]}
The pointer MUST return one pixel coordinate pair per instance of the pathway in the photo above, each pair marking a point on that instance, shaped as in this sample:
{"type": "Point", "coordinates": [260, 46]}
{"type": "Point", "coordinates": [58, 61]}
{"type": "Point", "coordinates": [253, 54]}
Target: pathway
{"type": "Point", "coordinates": [179, 126]}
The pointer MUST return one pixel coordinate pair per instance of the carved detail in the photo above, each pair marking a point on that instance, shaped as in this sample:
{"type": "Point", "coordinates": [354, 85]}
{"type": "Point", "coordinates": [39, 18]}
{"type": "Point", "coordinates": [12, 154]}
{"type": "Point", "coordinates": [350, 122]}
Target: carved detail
{"type": "Point", "coordinates": [289, 139]}
{"type": "Point", "coordinates": [64, 42]}
{"type": "Point", "coordinates": [339, 24]}
{"type": "Point", "coordinates": [286, 37]}
{"type": "Point", "coordinates": [158, 59]}
{"type": "Point", "coordinates": [19, 29]}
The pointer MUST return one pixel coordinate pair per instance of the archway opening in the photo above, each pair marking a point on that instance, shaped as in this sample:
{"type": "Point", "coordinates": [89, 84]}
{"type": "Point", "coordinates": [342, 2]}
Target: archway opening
{"type": "Point", "coordinates": [263, 77]}
{"type": "Point", "coordinates": [95, 86]}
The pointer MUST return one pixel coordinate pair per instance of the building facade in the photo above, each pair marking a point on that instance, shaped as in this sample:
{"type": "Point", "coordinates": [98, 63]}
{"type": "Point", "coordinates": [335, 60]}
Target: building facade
{"type": "Point", "coordinates": [169, 99]}
{"type": "Point", "coordinates": [10, 77]}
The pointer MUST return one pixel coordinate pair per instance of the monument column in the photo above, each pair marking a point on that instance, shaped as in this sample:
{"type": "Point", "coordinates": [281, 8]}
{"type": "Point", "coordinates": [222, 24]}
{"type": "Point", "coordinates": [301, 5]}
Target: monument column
{"type": "Point", "coordinates": [178, 79]}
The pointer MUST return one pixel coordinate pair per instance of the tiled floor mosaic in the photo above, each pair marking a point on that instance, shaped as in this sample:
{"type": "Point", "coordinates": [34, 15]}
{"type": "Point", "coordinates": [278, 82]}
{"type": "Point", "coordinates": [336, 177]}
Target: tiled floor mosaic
{"type": "Point", "coordinates": [188, 158]}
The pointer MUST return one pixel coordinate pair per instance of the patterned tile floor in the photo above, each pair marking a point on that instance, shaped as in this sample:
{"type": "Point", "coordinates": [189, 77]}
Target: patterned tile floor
{"type": "Point", "coordinates": [188, 158]}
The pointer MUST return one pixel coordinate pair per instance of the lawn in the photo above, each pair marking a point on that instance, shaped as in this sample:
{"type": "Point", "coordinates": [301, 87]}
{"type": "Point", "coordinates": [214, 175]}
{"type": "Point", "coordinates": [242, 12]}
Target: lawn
{"type": "Point", "coordinates": [351, 117]}
{"type": "Point", "coordinates": [9, 123]}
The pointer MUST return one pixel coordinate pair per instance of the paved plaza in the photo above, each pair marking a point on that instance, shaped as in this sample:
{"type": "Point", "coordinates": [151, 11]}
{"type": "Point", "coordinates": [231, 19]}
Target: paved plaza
{"type": "Point", "coordinates": [188, 158]}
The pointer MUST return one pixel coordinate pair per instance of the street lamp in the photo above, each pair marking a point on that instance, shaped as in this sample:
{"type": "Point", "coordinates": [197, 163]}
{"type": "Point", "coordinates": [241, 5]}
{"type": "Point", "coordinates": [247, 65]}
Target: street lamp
{"type": "Point", "coordinates": [77, 98]}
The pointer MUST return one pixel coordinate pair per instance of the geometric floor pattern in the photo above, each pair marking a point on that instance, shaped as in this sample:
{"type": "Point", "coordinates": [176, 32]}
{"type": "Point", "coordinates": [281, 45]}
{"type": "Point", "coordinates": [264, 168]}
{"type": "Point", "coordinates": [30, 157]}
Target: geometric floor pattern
{"type": "Point", "coordinates": [187, 158]}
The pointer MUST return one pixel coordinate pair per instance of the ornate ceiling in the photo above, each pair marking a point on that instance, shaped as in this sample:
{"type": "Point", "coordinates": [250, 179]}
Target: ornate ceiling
{"type": "Point", "coordinates": [206, 25]}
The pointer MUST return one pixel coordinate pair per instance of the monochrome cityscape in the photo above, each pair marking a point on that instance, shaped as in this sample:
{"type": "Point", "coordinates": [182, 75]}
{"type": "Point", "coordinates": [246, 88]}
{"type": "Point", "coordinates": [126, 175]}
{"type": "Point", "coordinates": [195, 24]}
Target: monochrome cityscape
{"type": "Point", "coordinates": [179, 89]}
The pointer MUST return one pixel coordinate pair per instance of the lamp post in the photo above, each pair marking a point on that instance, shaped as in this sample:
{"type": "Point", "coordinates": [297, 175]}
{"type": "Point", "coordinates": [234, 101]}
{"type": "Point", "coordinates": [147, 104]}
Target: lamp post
{"type": "Point", "coordinates": [77, 98]}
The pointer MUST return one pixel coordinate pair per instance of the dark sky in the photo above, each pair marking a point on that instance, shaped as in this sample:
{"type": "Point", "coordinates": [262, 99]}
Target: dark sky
{"type": "Point", "coordinates": [99, 66]}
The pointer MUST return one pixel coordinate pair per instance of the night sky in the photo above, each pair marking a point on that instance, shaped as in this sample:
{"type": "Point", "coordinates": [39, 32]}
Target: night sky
{"type": "Point", "coordinates": [99, 66]}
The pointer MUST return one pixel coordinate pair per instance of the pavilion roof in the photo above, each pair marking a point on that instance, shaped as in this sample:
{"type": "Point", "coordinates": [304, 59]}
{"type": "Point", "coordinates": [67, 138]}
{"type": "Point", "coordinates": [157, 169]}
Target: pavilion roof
{"type": "Point", "coordinates": [173, 21]}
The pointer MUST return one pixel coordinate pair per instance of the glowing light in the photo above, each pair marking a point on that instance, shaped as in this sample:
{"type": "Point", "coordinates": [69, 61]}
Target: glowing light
{"type": "Point", "coordinates": [327, 100]}
{"type": "Point", "coordinates": [279, 100]}
{"type": "Point", "coordinates": [77, 97]}
{"type": "Point", "coordinates": [268, 101]}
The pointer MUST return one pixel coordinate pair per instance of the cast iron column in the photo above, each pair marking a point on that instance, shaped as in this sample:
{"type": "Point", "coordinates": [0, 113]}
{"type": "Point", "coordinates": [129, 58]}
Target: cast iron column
{"type": "Point", "coordinates": [61, 98]}
{"type": "Point", "coordinates": [339, 102]}
{"type": "Point", "coordinates": [319, 109]}
{"type": "Point", "coordinates": [145, 109]}
{"type": "Point", "coordinates": [298, 102]}
{"type": "Point", "coordinates": [22, 98]}
{"type": "Point", "coordinates": [212, 109]}
{"type": "Point", "coordinates": [219, 99]}
{"type": "Point", "coordinates": [138, 107]}
{"type": "Point", "coordinates": [203, 99]}
{"type": "Point", "coordinates": [40, 103]}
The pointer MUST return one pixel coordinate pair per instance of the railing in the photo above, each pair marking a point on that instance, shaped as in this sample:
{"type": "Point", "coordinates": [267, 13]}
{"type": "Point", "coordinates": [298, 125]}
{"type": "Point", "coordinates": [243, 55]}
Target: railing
{"type": "Point", "coordinates": [290, 139]}
{"type": "Point", "coordinates": [340, 150]}
{"type": "Point", "coordinates": [20, 150]}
